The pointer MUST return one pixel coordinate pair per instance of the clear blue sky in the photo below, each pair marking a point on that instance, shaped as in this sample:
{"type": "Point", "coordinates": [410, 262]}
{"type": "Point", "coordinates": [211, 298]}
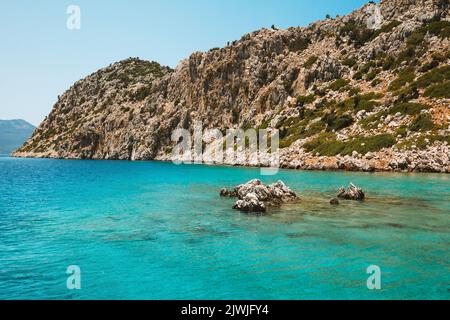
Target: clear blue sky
{"type": "Point", "coordinates": [40, 58]}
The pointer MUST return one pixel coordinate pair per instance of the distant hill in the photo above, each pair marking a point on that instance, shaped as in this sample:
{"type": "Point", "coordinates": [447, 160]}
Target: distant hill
{"type": "Point", "coordinates": [13, 133]}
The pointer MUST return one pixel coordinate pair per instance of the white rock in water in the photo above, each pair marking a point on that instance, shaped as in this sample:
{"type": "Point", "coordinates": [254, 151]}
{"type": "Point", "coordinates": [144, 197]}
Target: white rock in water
{"type": "Point", "coordinates": [255, 196]}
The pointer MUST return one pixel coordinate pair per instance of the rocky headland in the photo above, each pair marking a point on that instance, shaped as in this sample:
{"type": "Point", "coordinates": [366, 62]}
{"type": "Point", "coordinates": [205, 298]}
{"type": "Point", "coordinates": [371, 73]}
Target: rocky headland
{"type": "Point", "coordinates": [346, 93]}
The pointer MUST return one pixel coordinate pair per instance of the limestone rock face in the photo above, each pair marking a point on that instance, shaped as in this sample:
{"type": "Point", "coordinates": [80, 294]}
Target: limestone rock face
{"type": "Point", "coordinates": [255, 196]}
{"type": "Point", "coordinates": [339, 77]}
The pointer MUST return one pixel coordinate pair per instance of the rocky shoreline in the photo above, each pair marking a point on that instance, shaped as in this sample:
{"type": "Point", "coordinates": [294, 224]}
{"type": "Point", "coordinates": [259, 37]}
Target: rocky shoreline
{"type": "Point", "coordinates": [435, 159]}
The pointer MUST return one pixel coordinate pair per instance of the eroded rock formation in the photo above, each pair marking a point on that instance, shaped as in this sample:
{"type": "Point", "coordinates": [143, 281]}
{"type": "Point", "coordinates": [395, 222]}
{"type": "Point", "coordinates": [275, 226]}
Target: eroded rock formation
{"type": "Point", "coordinates": [351, 193]}
{"type": "Point", "coordinates": [255, 196]}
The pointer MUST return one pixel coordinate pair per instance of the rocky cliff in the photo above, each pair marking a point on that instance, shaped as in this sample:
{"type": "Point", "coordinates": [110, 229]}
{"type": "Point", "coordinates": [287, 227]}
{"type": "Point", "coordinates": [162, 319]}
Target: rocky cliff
{"type": "Point", "coordinates": [367, 91]}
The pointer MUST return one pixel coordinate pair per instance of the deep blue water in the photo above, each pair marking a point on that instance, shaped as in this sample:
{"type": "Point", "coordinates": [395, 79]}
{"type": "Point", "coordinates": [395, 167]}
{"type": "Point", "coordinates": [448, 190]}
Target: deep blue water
{"type": "Point", "coordinates": [150, 230]}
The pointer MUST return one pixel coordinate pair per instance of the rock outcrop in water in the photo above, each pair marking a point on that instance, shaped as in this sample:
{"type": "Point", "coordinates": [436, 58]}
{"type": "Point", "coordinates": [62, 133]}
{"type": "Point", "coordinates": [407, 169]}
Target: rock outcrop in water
{"type": "Point", "coordinates": [352, 193]}
{"type": "Point", "coordinates": [345, 94]}
{"type": "Point", "coordinates": [334, 201]}
{"type": "Point", "coordinates": [255, 196]}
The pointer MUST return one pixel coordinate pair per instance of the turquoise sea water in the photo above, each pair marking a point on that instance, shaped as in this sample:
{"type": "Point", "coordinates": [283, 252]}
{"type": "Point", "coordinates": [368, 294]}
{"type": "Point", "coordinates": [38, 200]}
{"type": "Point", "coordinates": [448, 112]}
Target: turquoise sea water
{"type": "Point", "coordinates": [150, 230]}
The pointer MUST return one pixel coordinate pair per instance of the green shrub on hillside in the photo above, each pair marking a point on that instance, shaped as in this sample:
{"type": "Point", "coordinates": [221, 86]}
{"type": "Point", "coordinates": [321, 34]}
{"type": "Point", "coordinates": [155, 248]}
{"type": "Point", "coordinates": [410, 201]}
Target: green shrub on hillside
{"type": "Point", "coordinates": [405, 76]}
{"type": "Point", "coordinates": [358, 75]}
{"type": "Point", "coordinates": [387, 28]}
{"type": "Point", "coordinates": [365, 68]}
{"type": "Point", "coordinates": [325, 145]}
{"type": "Point", "coordinates": [407, 108]}
{"type": "Point", "coordinates": [423, 141]}
{"type": "Point", "coordinates": [375, 82]}
{"type": "Point", "coordinates": [319, 140]}
{"type": "Point", "coordinates": [388, 63]}
{"type": "Point", "coordinates": [310, 62]}
{"type": "Point", "coordinates": [416, 45]}
{"type": "Point", "coordinates": [337, 122]}
{"type": "Point", "coordinates": [359, 34]}
{"type": "Point", "coordinates": [362, 102]}
{"type": "Point", "coordinates": [299, 44]}
{"type": "Point", "coordinates": [407, 93]}
{"type": "Point", "coordinates": [439, 28]}
{"type": "Point", "coordinates": [372, 75]}
{"type": "Point", "coordinates": [436, 59]}
{"type": "Point", "coordinates": [422, 122]}
{"type": "Point", "coordinates": [416, 38]}
{"type": "Point", "coordinates": [338, 84]}
{"type": "Point", "coordinates": [144, 68]}
{"type": "Point", "coordinates": [437, 75]}
{"type": "Point", "coordinates": [303, 100]}
{"type": "Point", "coordinates": [411, 109]}
{"type": "Point", "coordinates": [142, 93]}
{"type": "Point", "coordinates": [349, 62]}
{"type": "Point", "coordinates": [353, 91]}
{"type": "Point", "coordinates": [439, 90]}
{"type": "Point", "coordinates": [408, 55]}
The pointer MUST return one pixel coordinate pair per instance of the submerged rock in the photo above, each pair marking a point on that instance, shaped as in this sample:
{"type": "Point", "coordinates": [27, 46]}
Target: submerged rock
{"type": "Point", "coordinates": [227, 193]}
{"type": "Point", "coordinates": [334, 201]}
{"type": "Point", "coordinates": [352, 193]}
{"type": "Point", "coordinates": [255, 196]}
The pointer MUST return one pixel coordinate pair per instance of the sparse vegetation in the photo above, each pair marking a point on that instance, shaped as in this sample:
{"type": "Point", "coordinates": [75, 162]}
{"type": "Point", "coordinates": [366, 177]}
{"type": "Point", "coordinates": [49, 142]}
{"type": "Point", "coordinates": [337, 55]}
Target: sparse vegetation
{"type": "Point", "coordinates": [358, 34]}
{"type": "Point", "coordinates": [440, 90]}
{"type": "Point", "coordinates": [327, 145]}
{"type": "Point", "coordinates": [310, 62]}
{"type": "Point", "coordinates": [362, 102]}
{"type": "Point", "coordinates": [372, 75]}
{"type": "Point", "coordinates": [337, 122]}
{"type": "Point", "coordinates": [422, 142]}
{"type": "Point", "coordinates": [358, 75]}
{"type": "Point", "coordinates": [407, 94]}
{"type": "Point", "coordinates": [422, 122]}
{"type": "Point", "coordinates": [388, 63]}
{"type": "Point", "coordinates": [436, 59]}
{"type": "Point", "coordinates": [349, 62]}
{"type": "Point", "coordinates": [410, 109]}
{"type": "Point", "coordinates": [299, 44]}
{"type": "Point", "coordinates": [303, 100]}
{"type": "Point", "coordinates": [439, 28]}
{"type": "Point", "coordinates": [338, 84]}
{"type": "Point", "coordinates": [142, 93]}
{"type": "Point", "coordinates": [405, 76]}
{"type": "Point", "coordinates": [436, 75]}
{"type": "Point", "coordinates": [387, 28]}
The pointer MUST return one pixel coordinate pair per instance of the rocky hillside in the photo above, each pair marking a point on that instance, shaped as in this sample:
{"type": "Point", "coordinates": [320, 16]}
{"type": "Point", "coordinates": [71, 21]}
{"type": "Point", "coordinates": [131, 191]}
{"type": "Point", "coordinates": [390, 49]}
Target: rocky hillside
{"type": "Point", "coordinates": [351, 92]}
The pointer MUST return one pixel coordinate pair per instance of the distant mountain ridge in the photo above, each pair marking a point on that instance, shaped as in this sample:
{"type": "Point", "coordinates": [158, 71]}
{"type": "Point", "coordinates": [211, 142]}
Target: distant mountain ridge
{"type": "Point", "coordinates": [13, 133]}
